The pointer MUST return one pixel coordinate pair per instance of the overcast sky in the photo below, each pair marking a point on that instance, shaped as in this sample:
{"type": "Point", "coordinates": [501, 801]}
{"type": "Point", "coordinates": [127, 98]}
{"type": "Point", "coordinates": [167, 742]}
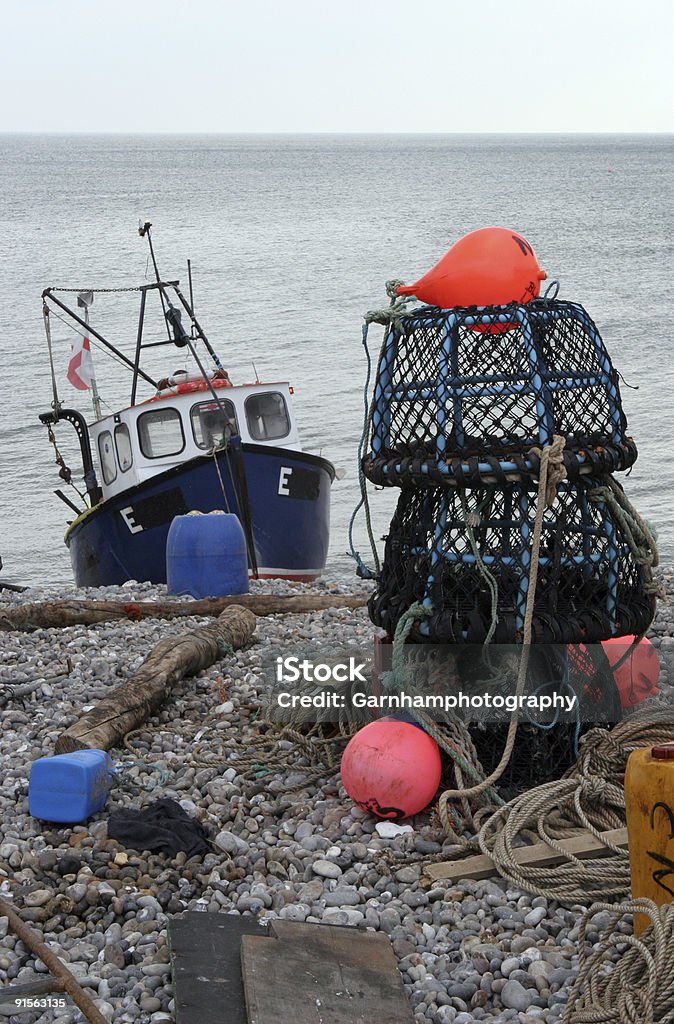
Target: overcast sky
{"type": "Point", "coordinates": [350, 66]}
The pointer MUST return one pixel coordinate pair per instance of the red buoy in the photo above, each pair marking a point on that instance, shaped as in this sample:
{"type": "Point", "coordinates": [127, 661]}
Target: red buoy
{"type": "Point", "coordinates": [637, 677]}
{"type": "Point", "coordinates": [488, 267]}
{"type": "Point", "coordinates": [391, 768]}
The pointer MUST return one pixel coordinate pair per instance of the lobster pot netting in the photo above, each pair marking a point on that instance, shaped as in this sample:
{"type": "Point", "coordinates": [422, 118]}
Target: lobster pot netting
{"type": "Point", "coordinates": [466, 553]}
{"type": "Point", "coordinates": [543, 754]}
{"type": "Point", "coordinates": [461, 393]}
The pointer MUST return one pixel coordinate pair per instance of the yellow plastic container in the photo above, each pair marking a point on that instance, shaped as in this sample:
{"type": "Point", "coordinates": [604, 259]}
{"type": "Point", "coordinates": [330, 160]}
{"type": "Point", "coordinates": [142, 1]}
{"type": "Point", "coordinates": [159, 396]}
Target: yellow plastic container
{"type": "Point", "coordinates": [649, 800]}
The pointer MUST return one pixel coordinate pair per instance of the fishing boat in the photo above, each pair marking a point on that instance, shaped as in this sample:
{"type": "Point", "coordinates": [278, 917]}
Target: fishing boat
{"type": "Point", "coordinates": [197, 443]}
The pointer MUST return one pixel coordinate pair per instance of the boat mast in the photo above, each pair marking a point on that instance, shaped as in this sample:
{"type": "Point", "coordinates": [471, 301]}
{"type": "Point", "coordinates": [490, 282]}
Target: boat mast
{"type": "Point", "coordinates": [173, 318]}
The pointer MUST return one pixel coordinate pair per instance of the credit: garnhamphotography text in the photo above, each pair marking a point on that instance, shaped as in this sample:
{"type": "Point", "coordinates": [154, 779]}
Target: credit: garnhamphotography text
{"type": "Point", "coordinates": [401, 701]}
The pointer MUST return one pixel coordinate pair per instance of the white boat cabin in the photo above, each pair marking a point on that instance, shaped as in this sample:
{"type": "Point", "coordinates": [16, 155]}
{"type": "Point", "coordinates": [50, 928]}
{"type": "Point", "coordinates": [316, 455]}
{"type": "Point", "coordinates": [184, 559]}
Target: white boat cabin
{"type": "Point", "coordinates": [184, 422]}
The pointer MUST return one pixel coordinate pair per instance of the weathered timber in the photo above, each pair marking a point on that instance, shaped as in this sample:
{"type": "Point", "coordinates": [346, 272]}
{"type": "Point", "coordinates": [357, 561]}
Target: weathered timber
{"type": "Point", "coordinates": [538, 855]}
{"type": "Point", "coordinates": [206, 966]}
{"type": "Point", "coordinates": [60, 614]}
{"type": "Point", "coordinates": [130, 704]}
{"type": "Point", "coordinates": [319, 973]}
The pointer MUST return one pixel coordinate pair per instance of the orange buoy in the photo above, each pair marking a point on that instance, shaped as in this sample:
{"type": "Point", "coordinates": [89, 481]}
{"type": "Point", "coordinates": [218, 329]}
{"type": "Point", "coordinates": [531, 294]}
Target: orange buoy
{"type": "Point", "coordinates": [488, 267]}
{"type": "Point", "coordinates": [637, 677]}
{"type": "Point", "coordinates": [391, 768]}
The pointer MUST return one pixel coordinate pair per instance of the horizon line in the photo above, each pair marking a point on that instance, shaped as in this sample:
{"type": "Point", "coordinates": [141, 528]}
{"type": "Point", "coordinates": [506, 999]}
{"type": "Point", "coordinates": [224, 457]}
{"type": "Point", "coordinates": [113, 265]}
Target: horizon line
{"type": "Point", "coordinates": [350, 132]}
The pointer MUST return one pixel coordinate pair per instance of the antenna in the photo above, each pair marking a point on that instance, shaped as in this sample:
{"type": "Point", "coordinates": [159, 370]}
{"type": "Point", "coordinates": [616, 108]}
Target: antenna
{"type": "Point", "coordinates": [171, 315]}
{"type": "Point", "coordinates": [144, 232]}
{"type": "Point", "coordinates": [257, 379]}
{"type": "Point", "coordinates": [189, 277]}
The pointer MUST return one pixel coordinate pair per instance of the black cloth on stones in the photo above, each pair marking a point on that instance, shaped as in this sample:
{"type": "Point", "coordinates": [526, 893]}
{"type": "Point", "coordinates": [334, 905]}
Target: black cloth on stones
{"type": "Point", "coordinates": [161, 827]}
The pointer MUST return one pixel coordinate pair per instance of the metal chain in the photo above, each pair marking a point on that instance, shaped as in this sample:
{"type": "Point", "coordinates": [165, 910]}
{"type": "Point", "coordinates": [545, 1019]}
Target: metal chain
{"type": "Point", "coordinates": [65, 472]}
{"type": "Point", "coordinates": [99, 291]}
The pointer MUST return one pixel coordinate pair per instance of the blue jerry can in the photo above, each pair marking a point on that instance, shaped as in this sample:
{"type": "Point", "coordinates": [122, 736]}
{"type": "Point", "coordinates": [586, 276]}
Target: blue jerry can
{"type": "Point", "coordinates": [70, 787]}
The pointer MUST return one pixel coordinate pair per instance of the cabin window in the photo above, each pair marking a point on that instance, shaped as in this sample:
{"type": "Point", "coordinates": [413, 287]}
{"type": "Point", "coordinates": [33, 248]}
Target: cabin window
{"type": "Point", "coordinates": [123, 446]}
{"type": "Point", "coordinates": [213, 423]}
{"type": "Point", "coordinates": [107, 456]}
{"type": "Point", "coordinates": [267, 416]}
{"type": "Point", "coordinates": [160, 433]}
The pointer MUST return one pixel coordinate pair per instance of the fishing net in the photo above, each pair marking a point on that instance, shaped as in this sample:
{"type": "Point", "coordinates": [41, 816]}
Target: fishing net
{"type": "Point", "coordinates": [543, 751]}
{"type": "Point", "coordinates": [466, 553]}
{"type": "Point", "coordinates": [463, 395]}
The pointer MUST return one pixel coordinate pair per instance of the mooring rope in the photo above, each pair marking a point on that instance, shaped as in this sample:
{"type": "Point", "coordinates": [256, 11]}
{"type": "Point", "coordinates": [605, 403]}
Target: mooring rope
{"type": "Point", "coordinates": [552, 472]}
{"type": "Point", "coordinates": [390, 315]}
{"type": "Point", "coordinates": [387, 317]}
{"type": "Point", "coordinates": [638, 534]}
{"type": "Point", "coordinates": [320, 747]}
{"type": "Point", "coordinates": [214, 452]}
{"type": "Point", "coordinates": [471, 520]}
{"type": "Point", "coordinates": [363, 571]}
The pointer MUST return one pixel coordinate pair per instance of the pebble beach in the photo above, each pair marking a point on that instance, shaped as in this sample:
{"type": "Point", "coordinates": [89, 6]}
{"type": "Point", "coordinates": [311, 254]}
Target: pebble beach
{"type": "Point", "coordinates": [282, 846]}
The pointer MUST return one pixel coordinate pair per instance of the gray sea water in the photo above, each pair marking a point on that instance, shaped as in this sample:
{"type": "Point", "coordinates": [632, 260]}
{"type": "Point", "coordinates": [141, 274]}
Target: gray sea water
{"type": "Point", "coordinates": [291, 239]}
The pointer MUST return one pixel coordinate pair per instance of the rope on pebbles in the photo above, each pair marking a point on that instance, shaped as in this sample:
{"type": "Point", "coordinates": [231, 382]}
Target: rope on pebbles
{"type": "Point", "coordinates": [639, 988]}
{"type": "Point", "coordinates": [590, 797]}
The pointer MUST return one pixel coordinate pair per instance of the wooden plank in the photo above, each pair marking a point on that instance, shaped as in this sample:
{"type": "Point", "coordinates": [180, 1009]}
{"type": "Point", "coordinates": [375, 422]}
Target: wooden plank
{"type": "Point", "coordinates": [322, 974]}
{"type": "Point", "coordinates": [539, 855]}
{"type": "Point", "coordinates": [347, 942]}
{"type": "Point", "coordinates": [206, 966]}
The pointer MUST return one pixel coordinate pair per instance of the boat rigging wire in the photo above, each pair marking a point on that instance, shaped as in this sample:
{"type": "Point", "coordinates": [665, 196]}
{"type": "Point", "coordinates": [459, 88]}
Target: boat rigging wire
{"type": "Point", "coordinates": [56, 404]}
{"type": "Point", "coordinates": [48, 293]}
{"type": "Point", "coordinates": [92, 341]}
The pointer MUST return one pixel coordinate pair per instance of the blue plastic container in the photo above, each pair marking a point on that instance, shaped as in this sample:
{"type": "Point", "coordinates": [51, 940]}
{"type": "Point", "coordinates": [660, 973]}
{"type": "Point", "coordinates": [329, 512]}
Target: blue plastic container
{"type": "Point", "coordinates": [70, 787]}
{"type": "Point", "coordinates": [206, 556]}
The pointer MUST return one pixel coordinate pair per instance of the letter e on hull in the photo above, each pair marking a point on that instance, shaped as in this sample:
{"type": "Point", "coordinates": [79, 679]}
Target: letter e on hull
{"type": "Point", "coordinates": [127, 515]}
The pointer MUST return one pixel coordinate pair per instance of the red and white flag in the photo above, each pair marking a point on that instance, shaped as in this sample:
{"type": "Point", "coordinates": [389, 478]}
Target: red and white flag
{"type": "Point", "coordinates": [81, 365]}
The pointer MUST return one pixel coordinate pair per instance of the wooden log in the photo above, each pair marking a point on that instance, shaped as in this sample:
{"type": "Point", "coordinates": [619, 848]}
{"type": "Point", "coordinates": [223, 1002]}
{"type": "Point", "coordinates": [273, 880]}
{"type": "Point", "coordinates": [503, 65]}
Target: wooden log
{"type": "Point", "coordinates": [539, 855]}
{"type": "Point", "coordinates": [60, 614]}
{"type": "Point", "coordinates": [130, 704]}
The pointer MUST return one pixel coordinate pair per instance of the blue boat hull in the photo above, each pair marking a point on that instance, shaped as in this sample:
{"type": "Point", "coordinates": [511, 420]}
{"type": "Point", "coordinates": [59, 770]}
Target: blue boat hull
{"type": "Point", "coordinates": [287, 515]}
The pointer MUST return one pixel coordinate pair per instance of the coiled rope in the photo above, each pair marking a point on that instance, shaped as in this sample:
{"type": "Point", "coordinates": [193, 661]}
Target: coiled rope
{"type": "Point", "coordinates": [639, 988]}
{"type": "Point", "coordinates": [589, 798]}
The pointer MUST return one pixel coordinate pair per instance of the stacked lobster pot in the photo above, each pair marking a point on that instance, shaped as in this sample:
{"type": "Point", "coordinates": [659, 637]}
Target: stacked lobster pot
{"type": "Point", "coordinates": [465, 402]}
